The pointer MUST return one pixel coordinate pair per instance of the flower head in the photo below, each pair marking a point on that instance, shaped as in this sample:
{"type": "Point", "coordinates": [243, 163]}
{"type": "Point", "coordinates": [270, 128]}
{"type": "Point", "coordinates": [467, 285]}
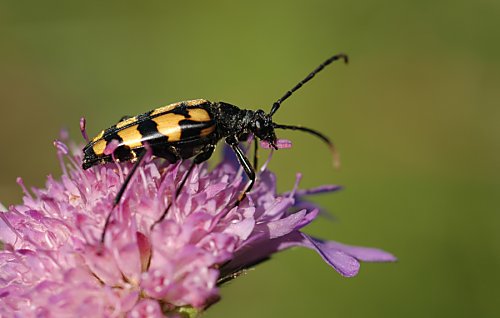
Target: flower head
{"type": "Point", "coordinates": [53, 263]}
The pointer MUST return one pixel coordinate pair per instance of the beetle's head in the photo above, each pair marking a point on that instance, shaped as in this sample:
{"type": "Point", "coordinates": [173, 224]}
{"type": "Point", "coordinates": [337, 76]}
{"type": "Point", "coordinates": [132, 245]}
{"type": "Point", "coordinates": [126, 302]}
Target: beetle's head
{"type": "Point", "coordinates": [262, 126]}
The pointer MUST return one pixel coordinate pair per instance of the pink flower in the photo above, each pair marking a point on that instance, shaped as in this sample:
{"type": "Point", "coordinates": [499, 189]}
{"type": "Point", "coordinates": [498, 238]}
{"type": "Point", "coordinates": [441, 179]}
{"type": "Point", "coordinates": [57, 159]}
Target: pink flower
{"type": "Point", "coordinates": [52, 263]}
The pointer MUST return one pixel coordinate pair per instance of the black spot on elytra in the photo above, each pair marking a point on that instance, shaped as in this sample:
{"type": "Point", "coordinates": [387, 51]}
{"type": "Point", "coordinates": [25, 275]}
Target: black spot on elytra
{"type": "Point", "coordinates": [156, 140]}
{"type": "Point", "coordinates": [191, 129]}
{"type": "Point", "coordinates": [111, 134]}
{"type": "Point", "coordinates": [148, 129]}
{"type": "Point", "coordinates": [123, 153]}
{"type": "Point", "coordinates": [181, 110]}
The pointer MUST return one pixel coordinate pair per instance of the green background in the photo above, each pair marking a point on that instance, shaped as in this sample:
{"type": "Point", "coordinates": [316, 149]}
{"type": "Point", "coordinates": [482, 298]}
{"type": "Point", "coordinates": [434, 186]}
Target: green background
{"type": "Point", "coordinates": [415, 116]}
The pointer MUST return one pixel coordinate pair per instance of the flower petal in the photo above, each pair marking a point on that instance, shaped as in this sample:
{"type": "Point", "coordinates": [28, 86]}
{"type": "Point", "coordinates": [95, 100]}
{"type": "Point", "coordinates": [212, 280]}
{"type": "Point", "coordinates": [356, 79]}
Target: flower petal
{"type": "Point", "coordinates": [283, 226]}
{"type": "Point", "coordinates": [146, 308]}
{"type": "Point", "coordinates": [343, 258]}
{"type": "Point", "coordinates": [343, 263]}
{"type": "Point", "coordinates": [242, 228]}
{"type": "Point", "coordinates": [365, 254]}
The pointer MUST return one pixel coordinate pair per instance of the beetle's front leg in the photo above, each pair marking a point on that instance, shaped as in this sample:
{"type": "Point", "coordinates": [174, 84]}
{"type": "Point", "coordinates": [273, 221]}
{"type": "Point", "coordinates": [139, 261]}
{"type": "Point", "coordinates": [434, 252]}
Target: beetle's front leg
{"type": "Point", "coordinates": [255, 153]}
{"type": "Point", "coordinates": [245, 163]}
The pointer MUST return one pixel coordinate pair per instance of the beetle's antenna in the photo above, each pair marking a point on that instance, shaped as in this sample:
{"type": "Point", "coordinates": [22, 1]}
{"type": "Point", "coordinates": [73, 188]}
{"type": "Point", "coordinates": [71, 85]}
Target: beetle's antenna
{"type": "Point", "coordinates": [335, 155]}
{"type": "Point", "coordinates": [318, 69]}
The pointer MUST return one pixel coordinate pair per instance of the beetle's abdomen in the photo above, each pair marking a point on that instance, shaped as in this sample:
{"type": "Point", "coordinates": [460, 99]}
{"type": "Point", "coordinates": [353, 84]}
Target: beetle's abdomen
{"type": "Point", "coordinates": [184, 122]}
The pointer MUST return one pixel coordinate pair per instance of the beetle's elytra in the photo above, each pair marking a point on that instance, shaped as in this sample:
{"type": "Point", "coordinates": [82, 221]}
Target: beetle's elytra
{"type": "Point", "coordinates": [191, 129]}
{"type": "Point", "coordinates": [176, 131]}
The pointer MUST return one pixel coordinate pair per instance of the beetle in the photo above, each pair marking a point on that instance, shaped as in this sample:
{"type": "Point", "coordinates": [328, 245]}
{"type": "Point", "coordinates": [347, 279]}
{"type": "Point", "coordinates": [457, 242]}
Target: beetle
{"type": "Point", "coordinates": [191, 129]}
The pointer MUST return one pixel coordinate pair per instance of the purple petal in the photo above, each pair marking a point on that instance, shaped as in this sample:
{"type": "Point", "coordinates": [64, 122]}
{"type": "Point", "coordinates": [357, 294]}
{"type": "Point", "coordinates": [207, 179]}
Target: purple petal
{"type": "Point", "coordinates": [318, 190]}
{"type": "Point", "coordinates": [111, 147]}
{"type": "Point", "coordinates": [102, 264]}
{"type": "Point", "coordinates": [83, 129]}
{"type": "Point", "coordinates": [146, 308]}
{"type": "Point", "coordinates": [125, 250]}
{"type": "Point", "coordinates": [343, 263]}
{"type": "Point", "coordinates": [343, 258]}
{"type": "Point", "coordinates": [308, 218]}
{"type": "Point", "coordinates": [286, 225]}
{"type": "Point", "coordinates": [8, 233]}
{"type": "Point", "coordinates": [61, 147]}
{"type": "Point", "coordinates": [365, 254]}
{"type": "Point", "coordinates": [242, 229]}
{"type": "Point", "coordinates": [312, 206]}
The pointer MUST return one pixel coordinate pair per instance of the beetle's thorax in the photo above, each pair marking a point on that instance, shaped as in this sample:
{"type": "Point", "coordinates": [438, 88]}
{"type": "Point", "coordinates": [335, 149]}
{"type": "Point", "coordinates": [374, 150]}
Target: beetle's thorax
{"type": "Point", "coordinates": [233, 121]}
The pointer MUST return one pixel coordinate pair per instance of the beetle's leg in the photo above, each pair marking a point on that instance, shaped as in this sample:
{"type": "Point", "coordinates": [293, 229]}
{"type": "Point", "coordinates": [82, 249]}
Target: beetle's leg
{"type": "Point", "coordinates": [122, 190]}
{"type": "Point", "coordinates": [245, 163]}
{"type": "Point", "coordinates": [255, 153]}
{"type": "Point", "coordinates": [203, 156]}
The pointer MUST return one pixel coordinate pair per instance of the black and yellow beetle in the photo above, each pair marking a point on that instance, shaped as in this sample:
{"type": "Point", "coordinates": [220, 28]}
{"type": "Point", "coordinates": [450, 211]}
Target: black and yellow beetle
{"type": "Point", "coordinates": [191, 129]}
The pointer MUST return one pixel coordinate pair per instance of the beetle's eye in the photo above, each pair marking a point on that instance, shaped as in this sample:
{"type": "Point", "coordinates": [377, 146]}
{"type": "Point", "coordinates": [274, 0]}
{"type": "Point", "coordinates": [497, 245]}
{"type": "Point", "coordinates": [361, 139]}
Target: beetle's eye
{"type": "Point", "coordinates": [257, 124]}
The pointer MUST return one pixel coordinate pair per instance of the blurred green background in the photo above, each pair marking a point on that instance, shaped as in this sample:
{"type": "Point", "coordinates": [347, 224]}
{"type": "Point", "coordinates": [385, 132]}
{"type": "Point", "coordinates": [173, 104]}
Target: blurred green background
{"type": "Point", "coordinates": [415, 116]}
